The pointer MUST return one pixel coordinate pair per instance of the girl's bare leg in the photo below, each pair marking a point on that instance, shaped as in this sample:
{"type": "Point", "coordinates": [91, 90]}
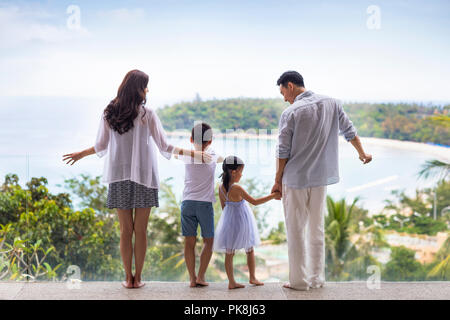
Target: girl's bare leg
{"type": "Point", "coordinates": [140, 242]}
{"type": "Point", "coordinates": [251, 268]}
{"type": "Point", "coordinates": [232, 284]}
{"type": "Point", "coordinates": [189, 258]}
{"type": "Point", "coordinates": [205, 257]}
{"type": "Point", "coordinates": [126, 244]}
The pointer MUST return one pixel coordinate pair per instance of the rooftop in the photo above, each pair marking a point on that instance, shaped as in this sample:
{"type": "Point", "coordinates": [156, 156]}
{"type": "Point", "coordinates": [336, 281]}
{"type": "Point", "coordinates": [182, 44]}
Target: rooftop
{"type": "Point", "coordinates": [218, 291]}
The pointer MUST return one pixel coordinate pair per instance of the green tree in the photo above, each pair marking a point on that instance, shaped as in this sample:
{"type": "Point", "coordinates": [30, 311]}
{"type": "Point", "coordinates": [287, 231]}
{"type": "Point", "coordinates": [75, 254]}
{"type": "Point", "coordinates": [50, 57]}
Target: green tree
{"type": "Point", "coordinates": [441, 265]}
{"type": "Point", "coordinates": [91, 192]}
{"type": "Point", "coordinates": [403, 266]}
{"type": "Point", "coordinates": [422, 207]}
{"type": "Point", "coordinates": [339, 249]}
{"type": "Point", "coordinates": [277, 235]}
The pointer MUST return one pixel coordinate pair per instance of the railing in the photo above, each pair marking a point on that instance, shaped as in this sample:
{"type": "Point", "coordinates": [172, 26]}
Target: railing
{"type": "Point", "coordinates": [55, 225]}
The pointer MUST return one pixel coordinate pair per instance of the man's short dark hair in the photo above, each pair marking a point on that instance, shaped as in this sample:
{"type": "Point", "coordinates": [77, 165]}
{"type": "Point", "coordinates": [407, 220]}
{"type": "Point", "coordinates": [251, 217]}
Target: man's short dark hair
{"type": "Point", "coordinates": [201, 133]}
{"type": "Point", "coordinates": [291, 76]}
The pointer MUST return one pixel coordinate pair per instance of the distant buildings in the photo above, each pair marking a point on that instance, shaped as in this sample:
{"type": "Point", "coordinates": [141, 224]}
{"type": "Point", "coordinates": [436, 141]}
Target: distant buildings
{"type": "Point", "coordinates": [425, 246]}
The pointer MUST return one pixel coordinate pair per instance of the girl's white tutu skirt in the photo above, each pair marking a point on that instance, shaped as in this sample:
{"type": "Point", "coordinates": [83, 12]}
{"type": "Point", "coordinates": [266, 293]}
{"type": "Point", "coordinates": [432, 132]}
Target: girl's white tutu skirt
{"type": "Point", "coordinates": [236, 229]}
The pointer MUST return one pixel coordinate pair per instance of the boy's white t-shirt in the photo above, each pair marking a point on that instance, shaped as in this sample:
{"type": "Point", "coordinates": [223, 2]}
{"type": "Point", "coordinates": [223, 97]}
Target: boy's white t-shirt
{"type": "Point", "coordinates": [199, 178]}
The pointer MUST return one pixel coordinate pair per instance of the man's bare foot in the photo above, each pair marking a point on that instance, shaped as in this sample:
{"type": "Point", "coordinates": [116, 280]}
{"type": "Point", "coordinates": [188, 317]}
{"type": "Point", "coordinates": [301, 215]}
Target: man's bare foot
{"type": "Point", "coordinates": [138, 283]}
{"type": "Point", "coordinates": [235, 286]}
{"type": "Point", "coordinates": [256, 282]}
{"type": "Point", "coordinates": [202, 283]}
{"type": "Point", "coordinates": [288, 286]}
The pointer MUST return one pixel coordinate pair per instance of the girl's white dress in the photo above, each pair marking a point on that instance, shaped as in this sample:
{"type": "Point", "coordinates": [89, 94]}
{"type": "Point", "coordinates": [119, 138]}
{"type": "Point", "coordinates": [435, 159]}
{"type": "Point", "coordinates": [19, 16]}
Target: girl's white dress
{"type": "Point", "coordinates": [237, 228]}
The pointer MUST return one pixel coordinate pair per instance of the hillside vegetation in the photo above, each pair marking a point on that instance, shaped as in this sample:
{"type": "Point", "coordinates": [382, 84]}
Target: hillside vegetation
{"type": "Point", "coordinates": [400, 121]}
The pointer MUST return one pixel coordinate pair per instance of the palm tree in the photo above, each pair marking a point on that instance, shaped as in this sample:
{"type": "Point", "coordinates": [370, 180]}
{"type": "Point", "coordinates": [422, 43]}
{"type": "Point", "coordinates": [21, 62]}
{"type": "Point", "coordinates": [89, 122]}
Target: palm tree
{"type": "Point", "coordinates": [338, 247]}
{"type": "Point", "coordinates": [433, 168]}
{"type": "Point", "coordinates": [442, 269]}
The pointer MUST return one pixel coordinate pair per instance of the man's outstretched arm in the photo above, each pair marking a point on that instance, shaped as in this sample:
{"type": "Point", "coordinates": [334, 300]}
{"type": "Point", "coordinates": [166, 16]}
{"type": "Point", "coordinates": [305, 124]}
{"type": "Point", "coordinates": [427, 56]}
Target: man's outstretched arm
{"type": "Point", "coordinates": [364, 157]}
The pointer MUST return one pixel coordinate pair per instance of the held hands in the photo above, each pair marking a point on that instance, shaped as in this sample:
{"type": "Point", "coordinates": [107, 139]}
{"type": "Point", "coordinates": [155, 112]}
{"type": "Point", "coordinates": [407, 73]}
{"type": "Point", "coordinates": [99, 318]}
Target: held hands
{"type": "Point", "coordinates": [277, 189]}
{"type": "Point", "coordinates": [276, 195]}
{"type": "Point", "coordinates": [365, 158]}
{"type": "Point", "coordinates": [73, 157]}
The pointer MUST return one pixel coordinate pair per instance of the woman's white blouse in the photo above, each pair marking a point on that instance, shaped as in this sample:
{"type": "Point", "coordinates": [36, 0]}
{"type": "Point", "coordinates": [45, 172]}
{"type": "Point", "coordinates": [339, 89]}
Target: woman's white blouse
{"type": "Point", "coordinates": [132, 155]}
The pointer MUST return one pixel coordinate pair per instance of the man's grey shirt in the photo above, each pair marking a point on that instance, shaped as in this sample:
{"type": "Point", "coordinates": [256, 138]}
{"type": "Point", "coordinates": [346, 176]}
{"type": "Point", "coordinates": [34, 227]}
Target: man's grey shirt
{"type": "Point", "coordinates": [308, 138]}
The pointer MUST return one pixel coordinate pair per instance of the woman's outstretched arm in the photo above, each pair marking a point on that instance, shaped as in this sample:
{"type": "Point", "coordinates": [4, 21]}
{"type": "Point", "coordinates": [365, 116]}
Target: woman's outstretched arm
{"type": "Point", "coordinates": [100, 147]}
{"type": "Point", "coordinates": [74, 157]}
{"type": "Point", "coordinates": [159, 137]}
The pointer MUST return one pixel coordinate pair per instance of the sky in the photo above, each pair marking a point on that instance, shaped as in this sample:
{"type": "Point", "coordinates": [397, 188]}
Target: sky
{"type": "Point", "coordinates": [353, 50]}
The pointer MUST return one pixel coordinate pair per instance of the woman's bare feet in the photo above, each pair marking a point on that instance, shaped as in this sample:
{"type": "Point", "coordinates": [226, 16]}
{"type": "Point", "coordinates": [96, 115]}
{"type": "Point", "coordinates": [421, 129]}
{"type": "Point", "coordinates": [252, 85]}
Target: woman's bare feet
{"type": "Point", "coordinates": [202, 282]}
{"type": "Point", "coordinates": [193, 282]}
{"type": "Point", "coordinates": [235, 285]}
{"type": "Point", "coordinates": [256, 282]}
{"type": "Point", "coordinates": [137, 283]}
{"type": "Point", "coordinates": [128, 283]}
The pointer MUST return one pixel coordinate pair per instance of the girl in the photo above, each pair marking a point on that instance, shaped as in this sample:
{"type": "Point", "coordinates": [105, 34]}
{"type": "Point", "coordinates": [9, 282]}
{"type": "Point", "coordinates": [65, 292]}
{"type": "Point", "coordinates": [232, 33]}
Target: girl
{"type": "Point", "coordinates": [131, 167]}
{"type": "Point", "coordinates": [237, 228]}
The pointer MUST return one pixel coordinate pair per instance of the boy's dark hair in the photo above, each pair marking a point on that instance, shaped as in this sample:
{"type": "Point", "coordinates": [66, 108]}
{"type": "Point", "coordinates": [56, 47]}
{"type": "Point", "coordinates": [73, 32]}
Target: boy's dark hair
{"type": "Point", "coordinates": [291, 76]}
{"type": "Point", "coordinates": [229, 163]}
{"type": "Point", "coordinates": [201, 133]}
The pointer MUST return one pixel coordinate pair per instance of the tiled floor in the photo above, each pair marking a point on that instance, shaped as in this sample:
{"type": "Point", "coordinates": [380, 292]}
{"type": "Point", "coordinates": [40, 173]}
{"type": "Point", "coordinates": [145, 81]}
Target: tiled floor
{"type": "Point", "coordinates": [219, 291]}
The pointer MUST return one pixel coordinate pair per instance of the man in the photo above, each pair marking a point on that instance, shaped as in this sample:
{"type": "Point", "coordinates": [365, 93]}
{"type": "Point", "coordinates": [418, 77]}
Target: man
{"type": "Point", "coordinates": [307, 161]}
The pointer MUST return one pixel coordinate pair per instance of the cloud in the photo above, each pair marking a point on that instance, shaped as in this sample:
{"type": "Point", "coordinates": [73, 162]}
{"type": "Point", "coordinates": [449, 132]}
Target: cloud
{"type": "Point", "coordinates": [20, 25]}
{"type": "Point", "coordinates": [123, 14]}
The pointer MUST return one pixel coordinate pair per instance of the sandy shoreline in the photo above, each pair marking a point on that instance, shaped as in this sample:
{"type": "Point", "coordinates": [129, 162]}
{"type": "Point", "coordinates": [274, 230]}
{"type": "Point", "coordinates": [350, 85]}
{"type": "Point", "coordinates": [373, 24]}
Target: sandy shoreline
{"type": "Point", "coordinates": [441, 153]}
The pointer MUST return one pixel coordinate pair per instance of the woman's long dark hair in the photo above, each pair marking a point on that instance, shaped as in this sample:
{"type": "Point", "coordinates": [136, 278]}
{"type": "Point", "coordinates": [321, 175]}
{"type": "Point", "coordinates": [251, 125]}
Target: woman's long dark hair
{"type": "Point", "coordinates": [123, 109]}
{"type": "Point", "coordinates": [229, 163]}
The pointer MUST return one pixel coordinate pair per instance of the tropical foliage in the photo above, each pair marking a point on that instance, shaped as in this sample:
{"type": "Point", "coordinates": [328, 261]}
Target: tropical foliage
{"type": "Point", "coordinates": [403, 266]}
{"type": "Point", "coordinates": [419, 210]}
{"type": "Point", "coordinates": [43, 234]}
{"type": "Point", "coordinates": [347, 259]}
{"type": "Point", "coordinates": [441, 266]}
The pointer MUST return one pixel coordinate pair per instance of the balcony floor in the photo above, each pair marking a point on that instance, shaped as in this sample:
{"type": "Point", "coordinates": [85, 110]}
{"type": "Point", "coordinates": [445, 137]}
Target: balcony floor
{"type": "Point", "coordinates": [218, 291]}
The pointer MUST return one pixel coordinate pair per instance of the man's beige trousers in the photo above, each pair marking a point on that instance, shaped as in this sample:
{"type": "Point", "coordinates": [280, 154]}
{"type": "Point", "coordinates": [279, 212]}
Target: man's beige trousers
{"type": "Point", "coordinates": [304, 216]}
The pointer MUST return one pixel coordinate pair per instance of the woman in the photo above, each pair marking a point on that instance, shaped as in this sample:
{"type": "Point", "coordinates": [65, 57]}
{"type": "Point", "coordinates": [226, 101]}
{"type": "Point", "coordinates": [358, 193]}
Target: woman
{"type": "Point", "coordinates": [131, 167]}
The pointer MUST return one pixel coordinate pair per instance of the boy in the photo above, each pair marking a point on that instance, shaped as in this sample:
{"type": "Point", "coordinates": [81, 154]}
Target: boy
{"type": "Point", "coordinates": [197, 203]}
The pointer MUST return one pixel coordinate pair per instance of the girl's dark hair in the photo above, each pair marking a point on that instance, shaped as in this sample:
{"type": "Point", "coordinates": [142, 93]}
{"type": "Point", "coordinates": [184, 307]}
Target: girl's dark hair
{"type": "Point", "coordinates": [229, 163]}
{"type": "Point", "coordinates": [123, 109]}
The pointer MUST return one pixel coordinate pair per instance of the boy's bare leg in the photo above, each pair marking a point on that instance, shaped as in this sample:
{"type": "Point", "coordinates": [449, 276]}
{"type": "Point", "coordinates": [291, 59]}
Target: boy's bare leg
{"type": "Point", "coordinates": [126, 244]}
{"type": "Point", "coordinates": [251, 268]}
{"type": "Point", "coordinates": [140, 242]}
{"type": "Point", "coordinates": [232, 284]}
{"type": "Point", "coordinates": [205, 257]}
{"type": "Point", "coordinates": [189, 258]}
